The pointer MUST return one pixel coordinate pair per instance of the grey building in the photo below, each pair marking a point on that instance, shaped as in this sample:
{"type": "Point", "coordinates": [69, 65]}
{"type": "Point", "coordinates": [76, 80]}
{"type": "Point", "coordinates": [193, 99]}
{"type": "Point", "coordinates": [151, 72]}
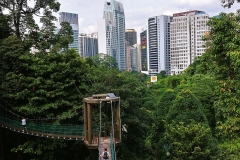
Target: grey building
{"type": "Point", "coordinates": [71, 18]}
{"type": "Point", "coordinates": [88, 45]}
{"type": "Point", "coordinates": [144, 56]}
{"type": "Point", "coordinates": [131, 36]}
{"type": "Point", "coordinates": [134, 58]}
{"type": "Point", "coordinates": [111, 33]}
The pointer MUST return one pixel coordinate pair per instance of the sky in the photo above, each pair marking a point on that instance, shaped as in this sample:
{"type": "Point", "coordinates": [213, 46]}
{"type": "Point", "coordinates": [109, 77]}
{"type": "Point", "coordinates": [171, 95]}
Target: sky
{"type": "Point", "coordinates": [137, 12]}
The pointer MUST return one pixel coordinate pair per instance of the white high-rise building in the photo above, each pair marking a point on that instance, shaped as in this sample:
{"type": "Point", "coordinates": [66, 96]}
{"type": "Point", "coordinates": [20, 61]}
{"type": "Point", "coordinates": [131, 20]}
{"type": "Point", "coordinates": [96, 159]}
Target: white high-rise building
{"type": "Point", "coordinates": [186, 31]}
{"type": "Point", "coordinates": [88, 45]}
{"type": "Point", "coordinates": [111, 33]}
{"type": "Point", "coordinates": [72, 19]}
{"type": "Point", "coordinates": [159, 44]}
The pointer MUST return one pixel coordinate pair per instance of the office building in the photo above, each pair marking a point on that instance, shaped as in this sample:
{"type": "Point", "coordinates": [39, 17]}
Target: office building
{"type": "Point", "coordinates": [138, 47]}
{"type": "Point", "coordinates": [131, 36]}
{"type": "Point", "coordinates": [128, 57]}
{"type": "Point", "coordinates": [88, 45]}
{"type": "Point", "coordinates": [144, 54]}
{"type": "Point", "coordinates": [72, 19]}
{"type": "Point", "coordinates": [111, 33]}
{"type": "Point", "coordinates": [134, 58]}
{"type": "Point", "coordinates": [131, 57]}
{"type": "Point", "coordinates": [186, 31]}
{"type": "Point", "coordinates": [159, 44]}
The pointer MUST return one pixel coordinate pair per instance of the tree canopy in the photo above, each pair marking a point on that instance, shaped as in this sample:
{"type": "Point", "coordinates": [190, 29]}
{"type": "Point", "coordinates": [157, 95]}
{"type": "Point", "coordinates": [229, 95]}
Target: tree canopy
{"type": "Point", "coordinates": [228, 3]}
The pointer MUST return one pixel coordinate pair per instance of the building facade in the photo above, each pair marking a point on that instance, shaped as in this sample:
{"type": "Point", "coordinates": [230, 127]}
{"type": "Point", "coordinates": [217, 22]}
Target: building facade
{"type": "Point", "coordinates": [159, 44]}
{"type": "Point", "coordinates": [128, 57]}
{"type": "Point", "coordinates": [138, 47]}
{"type": "Point", "coordinates": [72, 19]}
{"type": "Point", "coordinates": [88, 45]}
{"type": "Point", "coordinates": [186, 32]}
{"type": "Point", "coordinates": [144, 54]}
{"type": "Point", "coordinates": [134, 58]}
{"type": "Point", "coordinates": [111, 33]}
{"type": "Point", "coordinates": [131, 36]}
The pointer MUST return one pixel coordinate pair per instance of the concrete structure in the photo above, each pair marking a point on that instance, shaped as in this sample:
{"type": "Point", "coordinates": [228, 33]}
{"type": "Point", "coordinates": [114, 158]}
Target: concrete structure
{"type": "Point", "coordinates": [88, 45]}
{"type": "Point", "coordinates": [138, 47]}
{"type": "Point", "coordinates": [144, 55]}
{"type": "Point", "coordinates": [159, 44]}
{"type": "Point", "coordinates": [186, 31]}
{"type": "Point", "coordinates": [128, 57]}
{"type": "Point", "coordinates": [71, 18]}
{"type": "Point", "coordinates": [131, 36]}
{"type": "Point", "coordinates": [134, 58]}
{"type": "Point", "coordinates": [111, 33]}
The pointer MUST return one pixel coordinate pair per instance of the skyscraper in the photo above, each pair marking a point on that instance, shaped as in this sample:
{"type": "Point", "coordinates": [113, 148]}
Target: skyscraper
{"type": "Point", "coordinates": [138, 48]}
{"type": "Point", "coordinates": [71, 18]}
{"type": "Point", "coordinates": [88, 45]}
{"type": "Point", "coordinates": [111, 33]}
{"type": "Point", "coordinates": [144, 56]}
{"type": "Point", "coordinates": [134, 57]}
{"type": "Point", "coordinates": [128, 56]}
{"type": "Point", "coordinates": [131, 36]}
{"type": "Point", "coordinates": [159, 44]}
{"type": "Point", "coordinates": [187, 29]}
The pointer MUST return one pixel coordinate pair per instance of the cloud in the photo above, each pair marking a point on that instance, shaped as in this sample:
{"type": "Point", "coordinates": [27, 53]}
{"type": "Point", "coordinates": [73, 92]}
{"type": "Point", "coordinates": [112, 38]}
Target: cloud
{"type": "Point", "coordinates": [137, 12]}
{"type": "Point", "coordinates": [194, 3]}
{"type": "Point", "coordinates": [90, 29]}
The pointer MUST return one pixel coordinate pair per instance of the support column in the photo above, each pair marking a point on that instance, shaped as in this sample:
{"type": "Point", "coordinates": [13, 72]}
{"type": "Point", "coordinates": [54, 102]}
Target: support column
{"type": "Point", "coordinates": [118, 120]}
{"type": "Point", "coordinates": [85, 121]}
{"type": "Point", "coordinates": [89, 123]}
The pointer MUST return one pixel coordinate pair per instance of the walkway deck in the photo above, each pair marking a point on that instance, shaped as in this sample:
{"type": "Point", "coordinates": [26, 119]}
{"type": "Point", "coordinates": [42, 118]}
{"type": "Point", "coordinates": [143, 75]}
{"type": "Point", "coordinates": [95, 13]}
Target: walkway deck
{"type": "Point", "coordinates": [69, 132]}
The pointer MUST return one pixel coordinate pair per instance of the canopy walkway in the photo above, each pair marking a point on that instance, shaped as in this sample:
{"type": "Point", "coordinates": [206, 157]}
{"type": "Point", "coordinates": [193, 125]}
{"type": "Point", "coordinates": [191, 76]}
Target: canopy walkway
{"type": "Point", "coordinates": [95, 135]}
{"type": "Point", "coordinates": [42, 129]}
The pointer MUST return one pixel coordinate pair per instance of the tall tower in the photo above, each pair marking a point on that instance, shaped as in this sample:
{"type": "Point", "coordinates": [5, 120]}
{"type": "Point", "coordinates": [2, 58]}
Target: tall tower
{"type": "Point", "coordinates": [134, 57]}
{"type": "Point", "coordinates": [111, 33]}
{"type": "Point", "coordinates": [159, 44]}
{"type": "Point", "coordinates": [88, 45]}
{"type": "Point", "coordinates": [144, 56]}
{"type": "Point", "coordinates": [187, 30]}
{"type": "Point", "coordinates": [71, 18]}
{"type": "Point", "coordinates": [131, 36]}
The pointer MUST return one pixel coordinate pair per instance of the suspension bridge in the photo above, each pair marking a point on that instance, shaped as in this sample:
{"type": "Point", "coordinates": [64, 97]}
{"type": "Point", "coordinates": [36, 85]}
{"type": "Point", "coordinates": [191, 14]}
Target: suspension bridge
{"type": "Point", "coordinates": [40, 126]}
{"type": "Point", "coordinates": [94, 136]}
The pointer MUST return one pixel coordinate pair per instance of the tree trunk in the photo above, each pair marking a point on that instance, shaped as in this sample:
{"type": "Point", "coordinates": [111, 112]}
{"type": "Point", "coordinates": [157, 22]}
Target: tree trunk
{"type": "Point", "coordinates": [19, 154]}
{"type": "Point", "coordinates": [1, 139]}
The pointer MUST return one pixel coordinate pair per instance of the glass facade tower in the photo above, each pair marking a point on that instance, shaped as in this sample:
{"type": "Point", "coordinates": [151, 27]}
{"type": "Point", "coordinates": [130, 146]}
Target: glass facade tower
{"type": "Point", "coordinates": [71, 18]}
{"type": "Point", "coordinates": [114, 35]}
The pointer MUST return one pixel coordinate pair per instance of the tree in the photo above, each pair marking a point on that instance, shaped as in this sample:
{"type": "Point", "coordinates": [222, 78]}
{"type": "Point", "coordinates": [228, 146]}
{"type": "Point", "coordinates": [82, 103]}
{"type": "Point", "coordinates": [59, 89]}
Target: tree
{"type": "Point", "coordinates": [64, 37]}
{"type": "Point", "coordinates": [136, 105]}
{"type": "Point", "coordinates": [53, 85]}
{"type": "Point", "coordinates": [157, 137]}
{"type": "Point", "coordinates": [190, 141]}
{"type": "Point", "coordinates": [43, 39]}
{"type": "Point", "coordinates": [5, 29]}
{"type": "Point", "coordinates": [104, 60]}
{"type": "Point", "coordinates": [228, 3]}
{"type": "Point", "coordinates": [184, 120]}
{"type": "Point", "coordinates": [223, 50]}
{"type": "Point", "coordinates": [22, 14]}
{"type": "Point", "coordinates": [186, 108]}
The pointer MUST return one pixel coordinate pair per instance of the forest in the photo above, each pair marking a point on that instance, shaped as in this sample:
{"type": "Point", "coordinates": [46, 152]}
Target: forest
{"type": "Point", "coordinates": [192, 116]}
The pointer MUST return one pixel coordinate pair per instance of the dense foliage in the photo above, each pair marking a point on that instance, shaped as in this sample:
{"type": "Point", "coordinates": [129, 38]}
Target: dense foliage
{"type": "Point", "coordinates": [190, 116]}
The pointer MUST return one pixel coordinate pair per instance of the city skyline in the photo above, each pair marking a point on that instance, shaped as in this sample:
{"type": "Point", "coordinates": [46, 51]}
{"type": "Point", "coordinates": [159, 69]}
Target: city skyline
{"type": "Point", "coordinates": [137, 14]}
